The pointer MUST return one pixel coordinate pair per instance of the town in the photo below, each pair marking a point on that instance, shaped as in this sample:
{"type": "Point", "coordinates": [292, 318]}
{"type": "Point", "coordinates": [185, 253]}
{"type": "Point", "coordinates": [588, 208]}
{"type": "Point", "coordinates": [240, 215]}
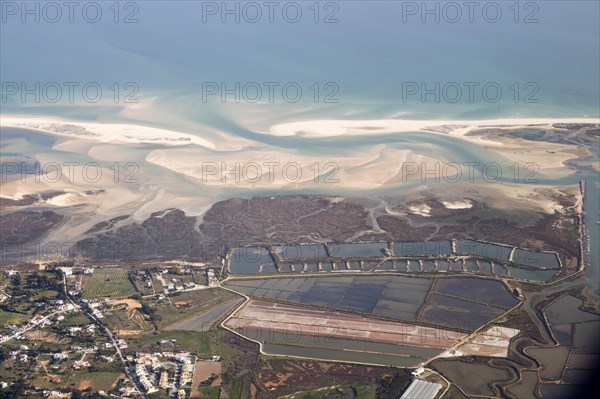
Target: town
{"type": "Point", "coordinates": [66, 330]}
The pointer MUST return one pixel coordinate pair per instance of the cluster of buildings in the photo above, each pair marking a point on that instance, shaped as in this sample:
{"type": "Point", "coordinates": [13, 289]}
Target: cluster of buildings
{"type": "Point", "coordinates": [20, 355]}
{"type": "Point", "coordinates": [96, 306]}
{"type": "Point", "coordinates": [178, 284]}
{"type": "Point", "coordinates": [58, 395]}
{"type": "Point", "coordinates": [185, 370]}
{"type": "Point", "coordinates": [211, 278]}
{"type": "Point", "coordinates": [164, 370]}
{"type": "Point", "coordinates": [50, 316]}
{"type": "Point", "coordinates": [78, 330]}
{"type": "Point", "coordinates": [174, 284]}
{"type": "Point", "coordinates": [145, 278]}
{"type": "Point", "coordinates": [3, 295]}
{"type": "Point", "coordinates": [68, 271]}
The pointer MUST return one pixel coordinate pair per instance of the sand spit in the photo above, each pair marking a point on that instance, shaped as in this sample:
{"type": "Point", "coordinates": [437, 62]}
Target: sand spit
{"type": "Point", "coordinates": [329, 128]}
{"type": "Point", "coordinates": [105, 133]}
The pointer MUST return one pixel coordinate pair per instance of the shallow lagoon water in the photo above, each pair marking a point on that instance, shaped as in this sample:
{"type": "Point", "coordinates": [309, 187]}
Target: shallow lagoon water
{"type": "Point", "coordinates": [310, 252]}
{"type": "Point", "coordinates": [249, 260]}
{"type": "Point", "coordinates": [542, 260]}
{"type": "Point", "coordinates": [534, 275]}
{"type": "Point", "coordinates": [358, 250]}
{"type": "Point", "coordinates": [492, 251]}
{"type": "Point", "coordinates": [422, 248]}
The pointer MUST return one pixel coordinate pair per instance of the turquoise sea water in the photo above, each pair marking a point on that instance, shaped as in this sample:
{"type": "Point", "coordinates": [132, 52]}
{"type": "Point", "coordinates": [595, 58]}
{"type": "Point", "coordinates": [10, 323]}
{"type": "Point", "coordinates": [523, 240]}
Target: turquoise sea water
{"type": "Point", "coordinates": [370, 55]}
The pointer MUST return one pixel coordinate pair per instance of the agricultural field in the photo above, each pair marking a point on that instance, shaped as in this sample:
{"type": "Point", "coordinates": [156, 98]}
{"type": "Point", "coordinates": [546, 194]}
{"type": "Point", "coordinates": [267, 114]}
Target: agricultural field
{"type": "Point", "coordinates": [206, 379]}
{"type": "Point", "coordinates": [43, 335]}
{"type": "Point", "coordinates": [43, 340]}
{"type": "Point", "coordinates": [106, 283]}
{"type": "Point", "coordinates": [96, 381]}
{"type": "Point", "coordinates": [461, 303]}
{"type": "Point", "coordinates": [12, 318]}
{"type": "Point", "coordinates": [75, 319]}
{"type": "Point", "coordinates": [206, 393]}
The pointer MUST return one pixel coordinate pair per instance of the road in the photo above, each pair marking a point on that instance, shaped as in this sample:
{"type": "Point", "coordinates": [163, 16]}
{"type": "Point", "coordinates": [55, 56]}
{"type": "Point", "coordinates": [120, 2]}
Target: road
{"type": "Point", "coordinates": [203, 322]}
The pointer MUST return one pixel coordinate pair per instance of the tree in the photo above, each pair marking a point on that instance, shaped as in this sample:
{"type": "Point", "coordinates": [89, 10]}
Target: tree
{"type": "Point", "coordinates": [4, 353]}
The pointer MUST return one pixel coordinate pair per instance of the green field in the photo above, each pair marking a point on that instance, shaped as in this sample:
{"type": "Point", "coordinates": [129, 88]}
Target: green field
{"type": "Point", "coordinates": [108, 283]}
{"type": "Point", "coordinates": [12, 318]}
{"type": "Point", "coordinates": [203, 344]}
{"type": "Point", "coordinates": [50, 294]}
{"type": "Point", "coordinates": [210, 392]}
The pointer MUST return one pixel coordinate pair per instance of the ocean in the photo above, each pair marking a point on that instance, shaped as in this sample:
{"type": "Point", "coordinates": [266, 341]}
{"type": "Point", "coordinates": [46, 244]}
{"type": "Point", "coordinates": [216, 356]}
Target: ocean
{"type": "Point", "coordinates": [304, 60]}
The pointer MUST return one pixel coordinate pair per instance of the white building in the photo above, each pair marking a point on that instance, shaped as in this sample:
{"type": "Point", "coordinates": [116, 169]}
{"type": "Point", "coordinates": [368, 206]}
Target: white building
{"type": "Point", "coordinates": [420, 389]}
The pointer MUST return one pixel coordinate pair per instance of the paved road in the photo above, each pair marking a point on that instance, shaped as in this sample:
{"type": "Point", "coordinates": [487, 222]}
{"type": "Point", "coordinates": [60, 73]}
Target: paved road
{"type": "Point", "coordinates": [203, 322]}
